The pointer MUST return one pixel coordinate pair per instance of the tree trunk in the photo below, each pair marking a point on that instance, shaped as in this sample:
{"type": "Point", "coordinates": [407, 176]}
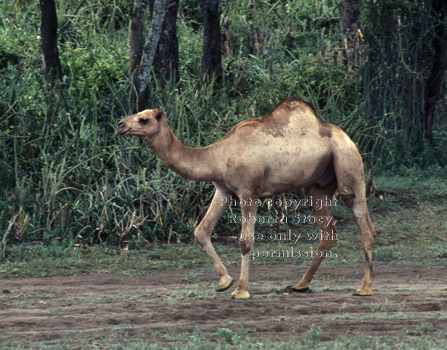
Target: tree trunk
{"type": "Point", "coordinates": [136, 42]}
{"type": "Point", "coordinates": [212, 51]}
{"type": "Point", "coordinates": [166, 58]}
{"type": "Point", "coordinates": [350, 22]}
{"type": "Point", "coordinates": [434, 84]}
{"type": "Point", "coordinates": [50, 53]}
{"type": "Point", "coordinates": [147, 58]}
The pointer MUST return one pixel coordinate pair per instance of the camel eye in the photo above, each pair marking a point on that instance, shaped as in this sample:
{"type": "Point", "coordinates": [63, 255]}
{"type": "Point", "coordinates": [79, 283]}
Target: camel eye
{"type": "Point", "coordinates": [143, 121]}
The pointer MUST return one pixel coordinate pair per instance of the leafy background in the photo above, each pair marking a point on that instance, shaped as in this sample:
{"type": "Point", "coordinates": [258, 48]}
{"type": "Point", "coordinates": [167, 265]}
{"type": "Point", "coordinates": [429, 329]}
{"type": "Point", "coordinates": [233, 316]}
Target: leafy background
{"type": "Point", "coordinates": [67, 180]}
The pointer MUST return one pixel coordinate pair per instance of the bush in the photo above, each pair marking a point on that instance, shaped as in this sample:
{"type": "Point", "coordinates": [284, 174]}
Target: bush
{"type": "Point", "coordinates": [62, 166]}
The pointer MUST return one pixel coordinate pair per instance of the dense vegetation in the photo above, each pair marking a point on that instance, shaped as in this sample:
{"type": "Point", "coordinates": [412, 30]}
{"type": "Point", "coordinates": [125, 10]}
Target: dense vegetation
{"type": "Point", "coordinates": [65, 177]}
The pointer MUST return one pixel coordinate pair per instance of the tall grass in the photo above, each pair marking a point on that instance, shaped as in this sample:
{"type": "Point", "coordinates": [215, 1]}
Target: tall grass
{"type": "Point", "coordinates": [400, 55]}
{"type": "Point", "coordinates": [66, 178]}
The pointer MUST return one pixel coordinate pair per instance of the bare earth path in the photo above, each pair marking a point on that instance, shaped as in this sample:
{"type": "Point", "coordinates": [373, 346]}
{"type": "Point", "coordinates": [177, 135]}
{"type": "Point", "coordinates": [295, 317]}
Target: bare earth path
{"type": "Point", "coordinates": [99, 306]}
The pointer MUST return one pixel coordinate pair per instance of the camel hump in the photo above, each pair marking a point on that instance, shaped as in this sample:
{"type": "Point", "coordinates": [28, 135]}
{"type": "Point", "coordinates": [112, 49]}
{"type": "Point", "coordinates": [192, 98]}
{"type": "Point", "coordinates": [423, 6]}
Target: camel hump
{"type": "Point", "coordinates": [305, 116]}
{"type": "Point", "coordinates": [278, 120]}
{"type": "Point", "coordinates": [292, 104]}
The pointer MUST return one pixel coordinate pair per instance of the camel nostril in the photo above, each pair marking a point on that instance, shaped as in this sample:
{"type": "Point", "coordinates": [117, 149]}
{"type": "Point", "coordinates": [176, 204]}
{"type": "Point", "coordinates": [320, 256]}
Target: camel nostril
{"type": "Point", "coordinates": [121, 124]}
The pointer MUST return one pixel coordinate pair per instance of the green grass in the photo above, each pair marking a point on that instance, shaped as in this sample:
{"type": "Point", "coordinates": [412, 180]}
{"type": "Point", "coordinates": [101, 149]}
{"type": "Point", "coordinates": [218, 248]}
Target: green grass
{"type": "Point", "coordinates": [403, 239]}
{"type": "Point", "coordinates": [243, 339]}
{"type": "Point", "coordinates": [46, 261]}
{"type": "Point", "coordinates": [409, 232]}
{"type": "Point", "coordinates": [67, 180]}
{"type": "Point", "coordinates": [74, 199]}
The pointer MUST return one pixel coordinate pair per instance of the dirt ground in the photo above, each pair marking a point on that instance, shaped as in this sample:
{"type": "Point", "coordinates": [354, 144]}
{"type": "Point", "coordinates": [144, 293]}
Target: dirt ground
{"type": "Point", "coordinates": [99, 306]}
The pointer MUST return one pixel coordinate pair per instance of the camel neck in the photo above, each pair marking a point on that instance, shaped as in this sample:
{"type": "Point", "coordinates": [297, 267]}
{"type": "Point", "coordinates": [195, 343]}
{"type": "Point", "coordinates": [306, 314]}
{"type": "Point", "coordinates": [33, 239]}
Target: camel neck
{"type": "Point", "coordinates": [197, 164]}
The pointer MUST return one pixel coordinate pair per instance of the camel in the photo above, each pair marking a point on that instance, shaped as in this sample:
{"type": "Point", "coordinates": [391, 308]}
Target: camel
{"type": "Point", "coordinates": [291, 148]}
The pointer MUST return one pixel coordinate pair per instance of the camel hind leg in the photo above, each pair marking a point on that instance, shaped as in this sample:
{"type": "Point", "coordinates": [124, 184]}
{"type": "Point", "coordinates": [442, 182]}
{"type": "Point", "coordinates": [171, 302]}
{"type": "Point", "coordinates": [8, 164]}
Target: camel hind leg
{"type": "Point", "coordinates": [326, 224]}
{"type": "Point", "coordinates": [348, 168]}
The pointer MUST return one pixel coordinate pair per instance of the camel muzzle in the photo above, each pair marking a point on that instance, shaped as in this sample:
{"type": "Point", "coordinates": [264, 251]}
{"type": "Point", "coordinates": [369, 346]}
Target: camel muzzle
{"type": "Point", "coordinates": [121, 131]}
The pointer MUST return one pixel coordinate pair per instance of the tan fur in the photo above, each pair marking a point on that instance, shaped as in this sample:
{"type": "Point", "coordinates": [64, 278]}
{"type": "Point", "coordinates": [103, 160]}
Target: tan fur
{"type": "Point", "coordinates": [289, 149]}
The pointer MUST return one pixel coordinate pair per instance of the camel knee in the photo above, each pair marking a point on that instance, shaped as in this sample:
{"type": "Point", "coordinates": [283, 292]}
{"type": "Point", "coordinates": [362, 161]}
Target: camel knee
{"type": "Point", "coordinates": [368, 243]}
{"type": "Point", "coordinates": [326, 245]}
{"type": "Point", "coordinates": [348, 199]}
{"type": "Point", "coordinates": [201, 235]}
{"type": "Point", "coordinates": [245, 245]}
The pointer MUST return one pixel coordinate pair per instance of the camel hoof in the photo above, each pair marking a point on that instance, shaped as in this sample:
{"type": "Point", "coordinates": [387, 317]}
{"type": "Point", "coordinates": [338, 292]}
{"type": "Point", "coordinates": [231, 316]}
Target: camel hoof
{"type": "Point", "coordinates": [293, 289]}
{"type": "Point", "coordinates": [240, 294]}
{"type": "Point", "coordinates": [223, 287]}
{"type": "Point", "coordinates": [363, 292]}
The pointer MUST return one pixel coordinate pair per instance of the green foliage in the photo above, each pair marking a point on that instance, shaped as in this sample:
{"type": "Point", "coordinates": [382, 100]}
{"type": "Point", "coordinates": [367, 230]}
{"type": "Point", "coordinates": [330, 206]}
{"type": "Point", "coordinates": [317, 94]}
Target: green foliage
{"type": "Point", "coordinates": [199, 340]}
{"type": "Point", "coordinates": [384, 254]}
{"type": "Point", "coordinates": [66, 179]}
{"type": "Point", "coordinates": [313, 336]}
{"type": "Point", "coordinates": [408, 212]}
{"type": "Point", "coordinates": [225, 334]}
{"type": "Point", "coordinates": [424, 328]}
{"type": "Point", "coordinates": [400, 39]}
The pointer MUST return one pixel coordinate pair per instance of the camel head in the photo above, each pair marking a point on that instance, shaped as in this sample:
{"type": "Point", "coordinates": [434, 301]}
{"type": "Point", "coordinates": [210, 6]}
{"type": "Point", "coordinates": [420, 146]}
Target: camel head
{"type": "Point", "coordinates": [145, 124]}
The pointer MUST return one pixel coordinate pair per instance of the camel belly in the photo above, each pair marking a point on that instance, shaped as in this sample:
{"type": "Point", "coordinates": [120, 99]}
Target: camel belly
{"type": "Point", "coordinates": [293, 179]}
{"type": "Point", "coordinates": [290, 169]}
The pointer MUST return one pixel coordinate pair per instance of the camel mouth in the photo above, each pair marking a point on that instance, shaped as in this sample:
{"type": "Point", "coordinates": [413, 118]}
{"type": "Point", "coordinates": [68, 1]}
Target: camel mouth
{"type": "Point", "coordinates": [122, 132]}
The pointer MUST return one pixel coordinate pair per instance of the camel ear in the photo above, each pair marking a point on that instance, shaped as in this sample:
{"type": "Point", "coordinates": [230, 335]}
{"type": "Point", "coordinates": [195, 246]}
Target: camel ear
{"type": "Point", "coordinates": [159, 115]}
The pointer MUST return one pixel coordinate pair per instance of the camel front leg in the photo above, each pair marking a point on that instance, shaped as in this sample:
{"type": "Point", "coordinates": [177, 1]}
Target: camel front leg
{"type": "Point", "coordinates": [246, 241]}
{"type": "Point", "coordinates": [218, 206]}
